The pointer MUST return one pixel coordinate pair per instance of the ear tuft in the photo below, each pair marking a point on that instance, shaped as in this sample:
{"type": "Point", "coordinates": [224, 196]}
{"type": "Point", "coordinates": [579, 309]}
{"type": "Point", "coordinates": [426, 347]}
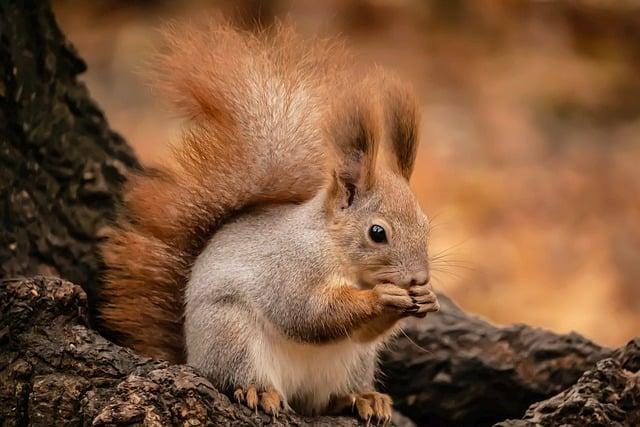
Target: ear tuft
{"type": "Point", "coordinates": [354, 133]}
{"type": "Point", "coordinates": [401, 119]}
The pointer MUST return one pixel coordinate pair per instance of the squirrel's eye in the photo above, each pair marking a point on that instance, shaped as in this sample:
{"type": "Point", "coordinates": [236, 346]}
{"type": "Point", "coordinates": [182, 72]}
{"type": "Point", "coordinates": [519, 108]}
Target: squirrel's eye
{"type": "Point", "coordinates": [377, 234]}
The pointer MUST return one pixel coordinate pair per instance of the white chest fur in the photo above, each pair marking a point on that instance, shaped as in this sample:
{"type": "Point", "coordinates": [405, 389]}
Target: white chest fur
{"type": "Point", "coordinates": [309, 374]}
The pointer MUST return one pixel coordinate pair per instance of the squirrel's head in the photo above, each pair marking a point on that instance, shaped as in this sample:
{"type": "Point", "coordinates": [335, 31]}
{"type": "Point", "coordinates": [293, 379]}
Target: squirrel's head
{"type": "Point", "coordinates": [374, 218]}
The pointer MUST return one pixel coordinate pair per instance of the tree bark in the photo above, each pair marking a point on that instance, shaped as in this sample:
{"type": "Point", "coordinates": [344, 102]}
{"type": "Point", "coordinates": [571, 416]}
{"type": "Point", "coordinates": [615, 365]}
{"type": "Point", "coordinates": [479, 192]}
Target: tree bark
{"type": "Point", "coordinates": [60, 171]}
{"type": "Point", "coordinates": [60, 164]}
{"type": "Point", "coordinates": [57, 371]}
{"type": "Point", "coordinates": [457, 369]}
{"type": "Point", "coordinates": [608, 395]}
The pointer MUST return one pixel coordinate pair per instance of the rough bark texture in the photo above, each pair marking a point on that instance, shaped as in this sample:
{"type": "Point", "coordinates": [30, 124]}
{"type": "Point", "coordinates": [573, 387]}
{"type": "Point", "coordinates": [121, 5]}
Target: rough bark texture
{"type": "Point", "coordinates": [60, 164]}
{"type": "Point", "coordinates": [60, 169]}
{"type": "Point", "coordinates": [455, 368]}
{"type": "Point", "coordinates": [54, 370]}
{"type": "Point", "coordinates": [608, 395]}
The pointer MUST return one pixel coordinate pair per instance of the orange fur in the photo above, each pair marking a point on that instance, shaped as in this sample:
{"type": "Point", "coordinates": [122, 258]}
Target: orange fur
{"type": "Point", "coordinates": [244, 94]}
{"type": "Point", "coordinates": [257, 107]}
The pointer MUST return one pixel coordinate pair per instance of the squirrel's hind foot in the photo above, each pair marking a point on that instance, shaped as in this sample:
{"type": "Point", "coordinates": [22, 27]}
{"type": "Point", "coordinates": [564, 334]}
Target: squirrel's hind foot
{"type": "Point", "coordinates": [370, 406]}
{"type": "Point", "coordinates": [268, 399]}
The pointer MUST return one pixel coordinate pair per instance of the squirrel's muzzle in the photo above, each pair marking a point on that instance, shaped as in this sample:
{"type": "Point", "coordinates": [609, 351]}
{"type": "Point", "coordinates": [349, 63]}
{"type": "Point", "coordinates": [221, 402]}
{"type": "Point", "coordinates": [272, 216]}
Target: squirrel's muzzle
{"type": "Point", "coordinates": [414, 278]}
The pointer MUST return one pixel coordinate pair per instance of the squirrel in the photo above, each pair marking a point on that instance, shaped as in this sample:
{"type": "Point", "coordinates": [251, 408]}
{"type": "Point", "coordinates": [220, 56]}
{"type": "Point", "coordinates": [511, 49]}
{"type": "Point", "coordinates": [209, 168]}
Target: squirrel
{"type": "Point", "coordinates": [280, 246]}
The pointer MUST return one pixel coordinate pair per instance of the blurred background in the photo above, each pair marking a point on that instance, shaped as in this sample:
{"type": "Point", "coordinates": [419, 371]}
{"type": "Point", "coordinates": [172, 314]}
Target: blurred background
{"type": "Point", "coordinates": [530, 159]}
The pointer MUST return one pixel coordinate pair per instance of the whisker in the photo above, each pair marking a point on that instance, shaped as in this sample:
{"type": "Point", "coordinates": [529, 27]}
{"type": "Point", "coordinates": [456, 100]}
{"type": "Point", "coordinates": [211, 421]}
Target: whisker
{"type": "Point", "coordinates": [381, 265]}
{"type": "Point", "coordinates": [449, 273]}
{"type": "Point", "coordinates": [437, 225]}
{"type": "Point", "coordinates": [449, 249]}
{"type": "Point", "coordinates": [448, 258]}
{"type": "Point", "coordinates": [419, 347]}
{"type": "Point", "coordinates": [443, 256]}
{"type": "Point", "coordinates": [435, 266]}
{"type": "Point", "coordinates": [437, 284]}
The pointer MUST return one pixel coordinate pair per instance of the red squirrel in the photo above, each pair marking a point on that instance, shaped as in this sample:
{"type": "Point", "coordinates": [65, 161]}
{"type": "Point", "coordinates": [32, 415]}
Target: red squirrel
{"type": "Point", "coordinates": [279, 247]}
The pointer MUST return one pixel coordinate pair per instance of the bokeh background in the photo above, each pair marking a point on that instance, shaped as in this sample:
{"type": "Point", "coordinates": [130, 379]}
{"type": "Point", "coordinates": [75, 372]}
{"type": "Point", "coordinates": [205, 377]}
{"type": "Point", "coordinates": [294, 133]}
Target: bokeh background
{"type": "Point", "coordinates": [530, 157]}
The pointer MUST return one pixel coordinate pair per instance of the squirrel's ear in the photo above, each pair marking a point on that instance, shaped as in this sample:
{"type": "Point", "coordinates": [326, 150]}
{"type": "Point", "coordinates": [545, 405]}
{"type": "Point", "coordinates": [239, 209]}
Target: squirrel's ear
{"type": "Point", "coordinates": [401, 121]}
{"type": "Point", "coordinates": [354, 133]}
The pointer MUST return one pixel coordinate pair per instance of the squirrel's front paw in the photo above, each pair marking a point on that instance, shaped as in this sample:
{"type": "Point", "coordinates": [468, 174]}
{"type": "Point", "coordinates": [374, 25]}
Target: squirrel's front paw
{"type": "Point", "coordinates": [395, 299]}
{"type": "Point", "coordinates": [268, 399]}
{"type": "Point", "coordinates": [426, 299]}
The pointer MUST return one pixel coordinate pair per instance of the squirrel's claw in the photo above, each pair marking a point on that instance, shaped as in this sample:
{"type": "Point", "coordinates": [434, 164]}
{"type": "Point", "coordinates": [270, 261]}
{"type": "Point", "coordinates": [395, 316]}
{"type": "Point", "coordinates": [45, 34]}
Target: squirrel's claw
{"type": "Point", "coordinates": [372, 406]}
{"type": "Point", "coordinates": [252, 398]}
{"type": "Point", "coordinates": [369, 406]}
{"type": "Point", "coordinates": [238, 395]}
{"type": "Point", "coordinates": [425, 298]}
{"type": "Point", "coordinates": [271, 402]}
{"type": "Point", "coordinates": [268, 399]}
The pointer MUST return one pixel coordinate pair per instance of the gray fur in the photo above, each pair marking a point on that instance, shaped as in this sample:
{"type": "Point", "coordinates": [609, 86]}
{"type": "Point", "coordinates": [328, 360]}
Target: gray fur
{"type": "Point", "coordinates": [245, 292]}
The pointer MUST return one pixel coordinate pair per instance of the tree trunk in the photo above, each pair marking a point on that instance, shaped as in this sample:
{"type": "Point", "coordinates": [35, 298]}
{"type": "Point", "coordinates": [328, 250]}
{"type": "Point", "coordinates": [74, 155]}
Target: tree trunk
{"type": "Point", "coordinates": [60, 164]}
{"type": "Point", "coordinates": [60, 171]}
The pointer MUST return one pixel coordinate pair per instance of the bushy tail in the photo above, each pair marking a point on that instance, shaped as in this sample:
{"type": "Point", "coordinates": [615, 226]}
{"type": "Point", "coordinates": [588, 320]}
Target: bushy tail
{"type": "Point", "coordinates": [254, 135]}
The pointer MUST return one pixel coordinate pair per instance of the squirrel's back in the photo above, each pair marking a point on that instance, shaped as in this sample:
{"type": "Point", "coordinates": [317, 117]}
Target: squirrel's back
{"type": "Point", "coordinates": [254, 136]}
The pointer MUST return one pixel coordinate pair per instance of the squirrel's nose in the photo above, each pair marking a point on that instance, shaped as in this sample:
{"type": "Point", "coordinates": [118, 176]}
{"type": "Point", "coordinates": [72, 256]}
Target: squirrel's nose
{"type": "Point", "coordinates": [416, 278]}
